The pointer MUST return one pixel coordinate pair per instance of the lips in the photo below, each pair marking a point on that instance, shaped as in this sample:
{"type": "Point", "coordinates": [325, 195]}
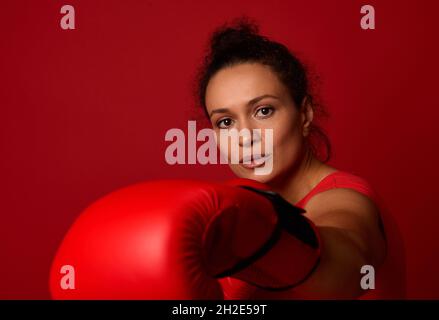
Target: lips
{"type": "Point", "coordinates": [253, 161]}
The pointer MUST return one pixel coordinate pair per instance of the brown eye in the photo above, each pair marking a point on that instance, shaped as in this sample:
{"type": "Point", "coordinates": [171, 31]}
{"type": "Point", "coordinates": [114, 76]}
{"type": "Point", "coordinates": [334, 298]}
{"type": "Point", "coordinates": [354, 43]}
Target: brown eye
{"type": "Point", "coordinates": [224, 123]}
{"type": "Point", "coordinates": [264, 112]}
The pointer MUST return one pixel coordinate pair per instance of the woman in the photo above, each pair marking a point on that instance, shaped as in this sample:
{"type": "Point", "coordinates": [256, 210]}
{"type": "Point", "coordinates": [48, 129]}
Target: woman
{"type": "Point", "coordinates": [250, 82]}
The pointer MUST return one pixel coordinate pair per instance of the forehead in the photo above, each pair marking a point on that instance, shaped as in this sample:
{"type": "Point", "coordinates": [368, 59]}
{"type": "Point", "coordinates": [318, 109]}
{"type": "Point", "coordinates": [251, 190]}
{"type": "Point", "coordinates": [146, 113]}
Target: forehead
{"type": "Point", "coordinates": [236, 85]}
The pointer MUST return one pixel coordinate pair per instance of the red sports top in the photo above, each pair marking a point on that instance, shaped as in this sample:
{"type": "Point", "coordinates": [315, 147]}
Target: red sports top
{"type": "Point", "coordinates": [389, 278]}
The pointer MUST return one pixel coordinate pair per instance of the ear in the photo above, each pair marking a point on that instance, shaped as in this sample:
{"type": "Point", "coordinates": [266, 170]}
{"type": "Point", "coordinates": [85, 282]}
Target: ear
{"type": "Point", "coordinates": [307, 115]}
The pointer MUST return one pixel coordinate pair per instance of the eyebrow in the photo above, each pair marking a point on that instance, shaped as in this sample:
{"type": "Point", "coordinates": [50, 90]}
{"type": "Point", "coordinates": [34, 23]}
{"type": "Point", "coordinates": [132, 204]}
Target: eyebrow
{"type": "Point", "coordinates": [251, 102]}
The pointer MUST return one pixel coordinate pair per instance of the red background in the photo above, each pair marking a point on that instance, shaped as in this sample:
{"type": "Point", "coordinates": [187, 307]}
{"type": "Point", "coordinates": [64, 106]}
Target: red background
{"type": "Point", "coordinates": [85, 111]}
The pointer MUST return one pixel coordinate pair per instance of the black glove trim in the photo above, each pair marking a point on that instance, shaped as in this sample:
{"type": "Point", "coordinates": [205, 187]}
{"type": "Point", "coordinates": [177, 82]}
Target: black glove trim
{"type": "Point", "coordinates": [290, 219]}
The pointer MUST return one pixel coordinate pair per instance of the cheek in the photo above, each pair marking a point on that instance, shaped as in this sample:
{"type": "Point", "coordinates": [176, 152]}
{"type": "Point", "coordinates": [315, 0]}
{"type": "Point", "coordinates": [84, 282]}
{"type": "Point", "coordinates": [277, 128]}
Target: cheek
{"type": "Point", "coordinates": [285, 137]}
{"type": "Point", "coordinates": [228, 144]}
{"type": "Point", "coordinates": [284, 132]}
{"type": "Point", "coordinates": [286, 143]}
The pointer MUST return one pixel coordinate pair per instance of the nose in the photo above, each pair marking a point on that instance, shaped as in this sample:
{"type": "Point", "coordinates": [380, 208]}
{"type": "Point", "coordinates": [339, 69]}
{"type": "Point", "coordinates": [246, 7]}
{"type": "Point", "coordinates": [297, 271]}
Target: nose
{"type": "Point", "coordinates": [248, 136]}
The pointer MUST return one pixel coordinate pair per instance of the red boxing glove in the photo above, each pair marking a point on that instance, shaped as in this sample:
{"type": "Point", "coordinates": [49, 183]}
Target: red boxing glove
{"type": "Point", "coordinates": [175, 239]}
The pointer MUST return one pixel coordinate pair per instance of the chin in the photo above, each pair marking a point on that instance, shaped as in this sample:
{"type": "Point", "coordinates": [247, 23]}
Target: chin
{"type": "Point", "coordinates": [250, 174]}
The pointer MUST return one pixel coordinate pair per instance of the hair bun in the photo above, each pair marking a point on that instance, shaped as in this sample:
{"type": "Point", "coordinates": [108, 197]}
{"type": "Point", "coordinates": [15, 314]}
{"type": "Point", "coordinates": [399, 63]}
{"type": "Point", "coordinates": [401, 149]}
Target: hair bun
{"type": "Point", "coordinates": [236, 33]}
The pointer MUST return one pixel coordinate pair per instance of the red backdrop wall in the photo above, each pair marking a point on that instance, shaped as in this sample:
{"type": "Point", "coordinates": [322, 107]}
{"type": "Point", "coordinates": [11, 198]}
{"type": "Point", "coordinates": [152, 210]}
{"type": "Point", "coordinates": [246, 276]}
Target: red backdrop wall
{"type": "Point", "coordinates": [85, 111]}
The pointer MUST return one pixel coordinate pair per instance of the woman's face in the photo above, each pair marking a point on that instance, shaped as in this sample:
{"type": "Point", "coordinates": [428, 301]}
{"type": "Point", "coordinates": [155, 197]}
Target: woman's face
{"type": "Point", "coordinates": [250, 96]}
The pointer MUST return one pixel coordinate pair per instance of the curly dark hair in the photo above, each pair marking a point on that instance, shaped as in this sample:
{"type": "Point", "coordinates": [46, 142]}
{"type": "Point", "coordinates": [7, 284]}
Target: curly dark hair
{"type": "Point", "coordinates": [240, 42]}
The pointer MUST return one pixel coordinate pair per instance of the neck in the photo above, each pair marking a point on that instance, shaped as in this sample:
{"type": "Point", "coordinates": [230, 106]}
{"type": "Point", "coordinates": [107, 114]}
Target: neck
{"type": "Point", "coordinates": [303, 177]}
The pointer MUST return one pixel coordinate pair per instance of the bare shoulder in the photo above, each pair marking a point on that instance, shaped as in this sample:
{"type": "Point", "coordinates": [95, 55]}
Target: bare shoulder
{"type": "Point", "coordinates": [352, 213]}
{"type": "Point", "coordinates": [342, 203]}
